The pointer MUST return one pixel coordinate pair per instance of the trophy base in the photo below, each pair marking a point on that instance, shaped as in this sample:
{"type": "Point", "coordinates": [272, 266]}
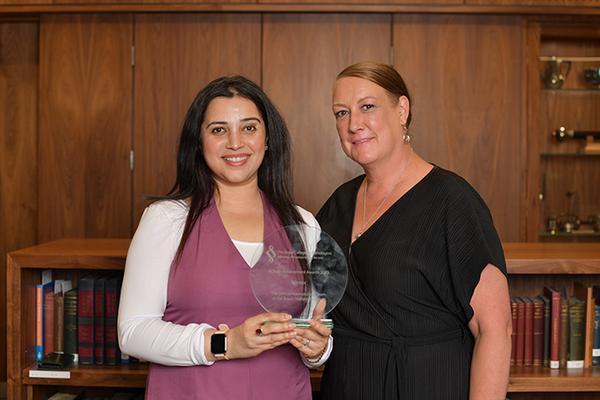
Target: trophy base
{"type": "Point", "coordinates": [304, 322]}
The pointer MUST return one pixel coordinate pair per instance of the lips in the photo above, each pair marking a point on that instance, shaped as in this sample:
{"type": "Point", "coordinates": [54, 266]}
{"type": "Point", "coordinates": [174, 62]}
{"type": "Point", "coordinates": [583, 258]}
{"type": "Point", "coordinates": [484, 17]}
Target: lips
{"type": "Point", "coordinates": [236, 159]}
{"type": "Point", "coordinates": [361, 141]}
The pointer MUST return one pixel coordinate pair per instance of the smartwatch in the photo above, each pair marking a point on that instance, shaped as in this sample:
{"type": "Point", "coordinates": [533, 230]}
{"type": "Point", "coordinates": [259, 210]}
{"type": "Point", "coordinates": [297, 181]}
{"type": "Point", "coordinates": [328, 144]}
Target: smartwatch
{"type": "Point", "coordinates": [218, 345]}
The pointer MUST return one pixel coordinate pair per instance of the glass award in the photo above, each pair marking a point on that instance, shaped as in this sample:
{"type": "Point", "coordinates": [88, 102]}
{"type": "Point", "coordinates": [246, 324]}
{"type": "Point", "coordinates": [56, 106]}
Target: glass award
{"type": "Point", "coordinates": [297, 267]}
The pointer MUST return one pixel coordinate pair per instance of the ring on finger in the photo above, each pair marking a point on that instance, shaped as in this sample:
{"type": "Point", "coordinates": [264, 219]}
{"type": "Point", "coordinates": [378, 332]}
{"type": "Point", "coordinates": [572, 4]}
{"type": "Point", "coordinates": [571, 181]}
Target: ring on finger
{"type": "Point", "coordinates": [306, 342]}
{"type": "Point", "coordinates": [259, 332]}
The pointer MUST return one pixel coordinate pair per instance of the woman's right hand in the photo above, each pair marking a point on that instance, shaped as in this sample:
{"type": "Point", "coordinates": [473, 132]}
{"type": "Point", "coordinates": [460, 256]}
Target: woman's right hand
{"type": "Point", "coordinates": [257, 334]}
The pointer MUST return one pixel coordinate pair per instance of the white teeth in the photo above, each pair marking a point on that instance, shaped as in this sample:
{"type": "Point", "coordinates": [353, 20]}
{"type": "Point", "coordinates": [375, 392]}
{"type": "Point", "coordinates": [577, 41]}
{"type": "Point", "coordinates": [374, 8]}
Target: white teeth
{"type": "Point", "coordinates": [235, 159]}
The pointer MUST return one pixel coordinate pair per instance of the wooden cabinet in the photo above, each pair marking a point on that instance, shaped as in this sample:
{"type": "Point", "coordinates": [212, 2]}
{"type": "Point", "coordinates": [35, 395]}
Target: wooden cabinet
{"type": "Point", "coordinates": [64, 257]}
{"type": "Point", "coordinates": [530, 265]}
{"type": "Point", "coordinates": [84, 131]}
{"type": "Point", "coordinates": [568, 171]}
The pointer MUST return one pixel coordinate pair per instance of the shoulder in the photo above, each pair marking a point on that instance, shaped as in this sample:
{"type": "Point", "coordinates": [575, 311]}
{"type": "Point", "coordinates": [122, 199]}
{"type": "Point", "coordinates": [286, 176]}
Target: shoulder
{"type": "Point", "coordinates": [456, 188]}
{"type": "Point", "coordinates": [341, 197]}
{"type": "Point", "coordinates": [172, 212]}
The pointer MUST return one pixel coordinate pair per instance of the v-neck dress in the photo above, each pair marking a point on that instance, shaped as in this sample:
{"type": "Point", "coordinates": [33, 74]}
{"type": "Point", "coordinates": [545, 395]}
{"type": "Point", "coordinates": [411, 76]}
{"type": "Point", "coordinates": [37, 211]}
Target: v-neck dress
{"type": "Point", "coordinates": [210, 284]}
{"type": "Point", "coordinates": [401, 329]}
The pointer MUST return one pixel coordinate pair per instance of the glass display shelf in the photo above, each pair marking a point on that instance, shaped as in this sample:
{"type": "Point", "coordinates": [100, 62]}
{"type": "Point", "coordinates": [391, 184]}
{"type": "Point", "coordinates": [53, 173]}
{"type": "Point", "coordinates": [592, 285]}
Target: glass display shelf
{"type": "Point", "coordinates": [573, 90]}
{"type": "Point", "coordinates": [569, 154]}
{"type": "Point", "coordinates": [580, 233]}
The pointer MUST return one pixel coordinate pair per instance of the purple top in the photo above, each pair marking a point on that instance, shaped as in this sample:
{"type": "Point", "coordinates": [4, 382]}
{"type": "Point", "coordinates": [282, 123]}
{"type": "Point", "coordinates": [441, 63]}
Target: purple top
{"type": "Point", "coordinates": [210, 284]}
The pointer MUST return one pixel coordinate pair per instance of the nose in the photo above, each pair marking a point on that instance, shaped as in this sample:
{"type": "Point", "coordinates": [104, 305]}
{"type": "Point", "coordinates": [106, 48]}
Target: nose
{"type": "Point", "coordinates": [355, 124]}
{"type": "Point", "coordinates": [234, 140]}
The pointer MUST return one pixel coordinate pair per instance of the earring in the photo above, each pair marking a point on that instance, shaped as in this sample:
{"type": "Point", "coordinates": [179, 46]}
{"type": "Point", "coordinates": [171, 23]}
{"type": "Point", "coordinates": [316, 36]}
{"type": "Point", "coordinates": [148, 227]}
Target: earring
{"type": "Point", "coordinates": [266, 147]}
{"type": "Point", "coordinates": [406, 137]}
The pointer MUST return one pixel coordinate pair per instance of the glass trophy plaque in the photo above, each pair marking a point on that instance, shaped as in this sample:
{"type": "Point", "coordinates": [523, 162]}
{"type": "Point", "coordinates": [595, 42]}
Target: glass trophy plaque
{"type": "Point", "coordinates": [297, 267]}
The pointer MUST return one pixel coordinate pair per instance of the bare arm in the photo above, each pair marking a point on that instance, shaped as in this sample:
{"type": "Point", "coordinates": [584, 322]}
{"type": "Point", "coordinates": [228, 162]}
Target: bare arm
{"type": "Point", "coordinates": [491, 327]}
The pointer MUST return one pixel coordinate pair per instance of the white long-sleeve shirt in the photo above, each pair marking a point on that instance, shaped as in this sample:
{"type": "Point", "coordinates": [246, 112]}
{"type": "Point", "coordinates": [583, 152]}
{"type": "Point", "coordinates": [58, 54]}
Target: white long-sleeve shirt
{"type": "Point", "coordinates": [142, 331]}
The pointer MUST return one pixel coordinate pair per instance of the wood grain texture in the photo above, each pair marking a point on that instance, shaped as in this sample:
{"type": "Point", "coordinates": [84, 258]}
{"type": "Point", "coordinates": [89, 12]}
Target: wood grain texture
{"type": "Point", "coordinates": [463, 73]}
{"type": "Point", "coordinates": [424, 2]}
{"type": "Point", "coordinates": [85, 126]}
{"type": "Point", "coordinates": [585, 3]}
{"type": "Point", "coordinates": [316, 49]}
{"type": "Point", "coordinates": [185, 6]}
{"type": "Point", "coordinates": [176, 55]}
{"type": "Point", "coordinates": [18, 149]}
{"type": "Point", "coordinates": [534, 186]}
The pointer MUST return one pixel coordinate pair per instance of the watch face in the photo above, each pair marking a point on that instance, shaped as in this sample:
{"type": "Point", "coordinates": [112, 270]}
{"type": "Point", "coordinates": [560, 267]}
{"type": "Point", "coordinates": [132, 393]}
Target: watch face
{"type": "Point", "coordinates": [218, 343]}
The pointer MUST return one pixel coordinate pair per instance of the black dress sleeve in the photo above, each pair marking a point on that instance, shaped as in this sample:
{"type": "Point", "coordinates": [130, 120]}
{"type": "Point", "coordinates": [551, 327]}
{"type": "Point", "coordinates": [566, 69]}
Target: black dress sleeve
{"type": "Point", "coordinates": [472, 243]}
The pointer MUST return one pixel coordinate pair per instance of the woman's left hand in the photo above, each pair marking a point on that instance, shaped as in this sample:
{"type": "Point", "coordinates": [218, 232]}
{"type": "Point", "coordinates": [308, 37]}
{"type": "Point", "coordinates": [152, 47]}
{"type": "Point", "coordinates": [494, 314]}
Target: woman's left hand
{"type": "Point", "coordinates": [312, 341]}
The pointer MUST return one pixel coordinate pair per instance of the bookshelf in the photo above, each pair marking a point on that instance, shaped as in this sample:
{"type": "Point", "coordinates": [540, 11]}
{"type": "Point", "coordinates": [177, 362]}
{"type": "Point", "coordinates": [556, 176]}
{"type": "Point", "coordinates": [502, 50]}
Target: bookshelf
{"type": "Point", "coordinates": [563, 172]}
{"type": "Point", "coordinates": [530, 267]}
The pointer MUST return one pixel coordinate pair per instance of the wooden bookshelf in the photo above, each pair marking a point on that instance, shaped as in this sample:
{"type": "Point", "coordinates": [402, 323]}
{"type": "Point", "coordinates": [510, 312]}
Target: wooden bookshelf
{"type": "Point", "coordinates": [530, 267]}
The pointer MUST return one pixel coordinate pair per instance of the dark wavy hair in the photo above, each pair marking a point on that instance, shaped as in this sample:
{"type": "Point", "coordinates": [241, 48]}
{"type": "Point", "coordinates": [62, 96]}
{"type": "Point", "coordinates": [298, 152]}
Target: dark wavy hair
{"type": "Point", "coordinates": [195, 182]}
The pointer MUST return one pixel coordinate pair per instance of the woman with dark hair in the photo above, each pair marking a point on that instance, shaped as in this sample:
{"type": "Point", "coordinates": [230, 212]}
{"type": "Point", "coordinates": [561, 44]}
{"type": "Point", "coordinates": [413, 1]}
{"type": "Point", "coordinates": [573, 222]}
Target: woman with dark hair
{"type": "Point", "coordinates": [186, 302]}
{"type": "Point", "coordinates": [426, 313]}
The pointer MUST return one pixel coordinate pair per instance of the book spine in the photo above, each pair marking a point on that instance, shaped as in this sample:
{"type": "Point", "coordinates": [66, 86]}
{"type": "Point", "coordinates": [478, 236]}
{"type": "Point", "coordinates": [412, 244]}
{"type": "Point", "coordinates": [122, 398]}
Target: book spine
{"type": "Point", "coordinates": [513, 335]}
{"type": "Point", "coordinates": [564, 333]}
{"type": "Point", "coordinates": [538, 332]}
{"type": "Point", "coordinates": [547, 318]}
{"type": "Point", "coordinates": [576, 333]}
{"type": "Point", "coordinates": [528, 351]}
{"type": "Point", "coordinates": [99, 311]}
{"type": "Point", "coordinates": [70, 322]}
{"type": "Point", "coordinates": [596, 349]}
{"type": "Point", "coordinates": [519, 353]}
{"type": "Point", "coordinates": [554, 297]}
{"type": "Point", "coordinates": [59, 325]}
{"type": "Point", "coordinates": [48, 322]}
{"type": "Point", "coordinates": [39, 331]}
{"type": "Point", "coordinates": [111, 346]}
{"type": "Point", "coordinates": [85, 320]}
{"type": "Point", "coordinates": [584, 293]}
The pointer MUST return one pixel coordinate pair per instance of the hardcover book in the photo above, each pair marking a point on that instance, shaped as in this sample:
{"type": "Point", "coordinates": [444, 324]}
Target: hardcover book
{"type": "Point", "coordinates": [85, 319]}
{"type": "Point", "coordinates": [547, 318]}
{"type": "Point", "coordinates": [576, 333]}
{"type": "Point", "coordinates": [538, 331]}
{"type": "Point", "coordinates": [70, 322]}
{"type": "Point", "coordinates": [554, 296]}
{"type": "Point", "coordinates": [585, 294]}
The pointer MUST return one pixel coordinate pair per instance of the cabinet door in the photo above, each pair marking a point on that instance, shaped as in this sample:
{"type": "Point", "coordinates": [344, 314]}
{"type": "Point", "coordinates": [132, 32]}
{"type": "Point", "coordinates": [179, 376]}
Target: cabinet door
{"type": "Point", "coordinates": [85, 126]}
{"type": "Point", "coordinates": [176, 55]}
{"type": "Point", "coordinates": [316, 49]}
{"type": "Point", "coordinates": [466, 78]}
{"type": "Point", "coordinates": [18, 150]}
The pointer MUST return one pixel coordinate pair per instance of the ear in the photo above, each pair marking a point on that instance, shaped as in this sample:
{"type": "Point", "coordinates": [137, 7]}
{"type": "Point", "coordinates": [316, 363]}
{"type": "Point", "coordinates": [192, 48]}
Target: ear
{"type": "Point", "coordinates": [404, 108]}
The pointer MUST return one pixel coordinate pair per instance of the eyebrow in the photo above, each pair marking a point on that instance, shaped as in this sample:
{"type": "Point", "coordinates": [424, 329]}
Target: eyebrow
{"type": "Point", "coordinates": [243, 120]}
{"type": "Point", "coordinates": [359, 101]}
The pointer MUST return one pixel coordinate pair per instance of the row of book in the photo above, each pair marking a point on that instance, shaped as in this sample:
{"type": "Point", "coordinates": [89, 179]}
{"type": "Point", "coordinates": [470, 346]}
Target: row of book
{"type": "Point", "coordinates": [557, 330]}
{"type": "Point", "coordinates": [95, 396]}
{"type": "Point", "coordinates": [79, 320]}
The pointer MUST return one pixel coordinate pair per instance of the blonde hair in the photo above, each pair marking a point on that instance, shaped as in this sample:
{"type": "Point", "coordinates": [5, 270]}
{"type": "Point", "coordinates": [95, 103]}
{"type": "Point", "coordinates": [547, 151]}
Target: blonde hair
{"type": "Point", "coordinates": [382, 75]}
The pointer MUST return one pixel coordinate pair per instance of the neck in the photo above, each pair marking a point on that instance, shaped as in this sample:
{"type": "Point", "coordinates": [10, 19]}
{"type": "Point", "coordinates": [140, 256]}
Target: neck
{"type": "Point", "coordinates": [237, 196]}
{"type": "Point", "coordinates": [392, 170]}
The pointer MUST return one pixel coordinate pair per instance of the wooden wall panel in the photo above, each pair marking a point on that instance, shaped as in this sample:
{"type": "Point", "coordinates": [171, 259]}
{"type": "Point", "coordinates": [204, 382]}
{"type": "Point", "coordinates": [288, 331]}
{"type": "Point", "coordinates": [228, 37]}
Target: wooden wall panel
{"type": "Point", "coordinates": [424, 2]}
{"type": "Point", "coordinates": [465, 75]}
{"type": "Point", "coordinates": [176, 55]}
{"type": "Point", "coordinates": [85, 126]}
{"type": "Point", "coordinates": [586, 3]}
{"type": "Point", "coordinates": [316, 48]}
{"type": "Point", "coordinates": [18, 149]}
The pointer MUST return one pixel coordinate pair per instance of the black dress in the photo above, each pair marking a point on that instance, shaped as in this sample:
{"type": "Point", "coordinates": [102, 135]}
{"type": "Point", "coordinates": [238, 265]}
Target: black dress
{"type": "Point", "coordinates": [400, 331]}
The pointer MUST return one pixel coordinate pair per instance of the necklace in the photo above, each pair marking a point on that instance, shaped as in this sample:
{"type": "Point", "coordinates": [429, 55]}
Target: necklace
{"type": "Point", "coordinates": [365, 221]}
